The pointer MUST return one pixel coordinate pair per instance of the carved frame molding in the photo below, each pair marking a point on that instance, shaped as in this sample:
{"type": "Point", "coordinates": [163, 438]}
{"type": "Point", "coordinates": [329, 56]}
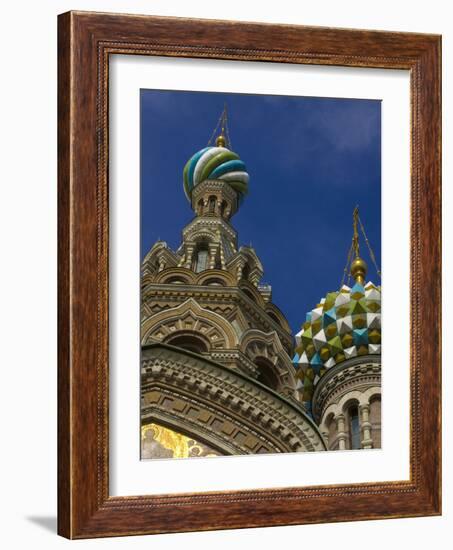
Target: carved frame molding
{"type": "Point", "coordinates": [86, 41]}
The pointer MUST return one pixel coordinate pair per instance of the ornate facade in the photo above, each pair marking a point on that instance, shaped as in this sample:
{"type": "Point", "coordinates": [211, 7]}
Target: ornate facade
{"type": "Point", "coordinates": [218, 376]}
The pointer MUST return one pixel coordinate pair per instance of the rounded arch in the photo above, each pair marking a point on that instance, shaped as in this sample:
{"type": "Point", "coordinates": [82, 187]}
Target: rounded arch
{"type": "Point", "coordinates": [332, 411]}
{"type": "Point", "coordinates": [276, 315]}
{"type": "Point", "coordinates": [372, 393]}
{"type": "Point", "coordinates": [351, 402]}
{"type": "Point", "coordinates": [246, 270]}
{"type": "Point", "coordinates": [201, 236]}
{"type": "Point", "coordinates": [189, 429]}
{"type": "Point", "coordinates": [353, 396]}
{"type": "Point", "coordinates": [260, 347]}
{"type": "Point", "coordinates": [151, 255]}
{"type": "Point", "coordinates": [214, 281]}
{"type": "Point", "coordinates": [191, 317]}
{"type": "Point", "coordinates": [146, 280]}
{"type": "Point", "coordinates": [267, 373]}
{"type": "Point", "coordinates": [250, 258]}
{"type": "Point", "coordinates": [224, 276]}
{"type": "Point", "coordinates": [341, 407]}
{"type": "Point", "coordinates": [176, 279]}
{"type": "Point", "coordinates": [251, 292]}
{"type": "Point", "coordinates": [375, 397]}
{"type": "Point", "coordinates": [173, 274]}
{"type": "Point", "coordinates": [188, 340]}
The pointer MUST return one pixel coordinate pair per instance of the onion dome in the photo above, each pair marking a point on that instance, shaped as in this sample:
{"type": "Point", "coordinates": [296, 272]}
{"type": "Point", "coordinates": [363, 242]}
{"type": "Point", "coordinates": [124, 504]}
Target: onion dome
{"type": "Point", "coordinates": [218, 163]}
{"type": "Point", "coordinates": [345, 324]}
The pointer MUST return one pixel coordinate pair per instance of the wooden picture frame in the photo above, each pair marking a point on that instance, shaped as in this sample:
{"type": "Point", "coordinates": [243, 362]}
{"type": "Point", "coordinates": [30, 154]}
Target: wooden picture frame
{"type": "Point", "coordinates": [85, 42]}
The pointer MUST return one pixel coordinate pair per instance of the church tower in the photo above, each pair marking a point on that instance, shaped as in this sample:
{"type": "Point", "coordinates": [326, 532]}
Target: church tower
{"type": "Point", "coordinates": [338, 357]}
{"type": "Point", "coordinates": [217, 375]}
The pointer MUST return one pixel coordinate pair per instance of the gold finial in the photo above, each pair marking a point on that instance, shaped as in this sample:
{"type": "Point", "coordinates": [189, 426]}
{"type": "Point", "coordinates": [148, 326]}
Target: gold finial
{"type": "Point", "coordinates": [358, 266]}
{"type": "Point", "coordinates": [359, 270]}
{"type": "Point", "coordinates": [220, 141]}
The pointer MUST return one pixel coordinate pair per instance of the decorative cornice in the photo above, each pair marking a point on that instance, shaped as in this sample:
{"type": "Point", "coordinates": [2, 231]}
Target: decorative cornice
{"type": "Point", "coordinates": [245, 398]}
{"type": "Point", "coordinates": [211, 224]}
{"type": "Point", "coordinates": [217, 185]}
{"type": "Point", "coordinates": [218, 295]}
{"type": "Point", "coordinates": [364, 370]}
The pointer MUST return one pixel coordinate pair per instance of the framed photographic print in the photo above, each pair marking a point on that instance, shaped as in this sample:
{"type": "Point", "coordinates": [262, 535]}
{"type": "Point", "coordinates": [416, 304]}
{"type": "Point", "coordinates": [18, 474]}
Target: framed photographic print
{"type": "Point", "coordinates": [249, 267]}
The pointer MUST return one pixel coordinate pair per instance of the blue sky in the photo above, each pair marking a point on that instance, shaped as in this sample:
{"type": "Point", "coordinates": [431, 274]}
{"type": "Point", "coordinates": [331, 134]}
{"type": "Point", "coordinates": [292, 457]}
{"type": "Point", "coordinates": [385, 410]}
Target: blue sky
{"type": "Point", "coordinates": [310, 160]}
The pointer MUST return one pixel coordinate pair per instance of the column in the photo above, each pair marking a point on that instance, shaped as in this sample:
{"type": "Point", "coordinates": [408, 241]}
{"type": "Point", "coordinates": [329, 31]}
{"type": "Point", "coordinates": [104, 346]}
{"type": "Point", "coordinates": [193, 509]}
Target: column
{"type": "Point", "coordinates": [365, 425]}
{"type": "Point", "coordinates": [212, 255]}
{"type": "Point", "coordinates": [341, 432]}
{"type": "Point", "coordinates": [189, 253]}
{"type": "Point", "coordinates": [218, 206]}
{"type": "Point", "coordinates": [239, 271]}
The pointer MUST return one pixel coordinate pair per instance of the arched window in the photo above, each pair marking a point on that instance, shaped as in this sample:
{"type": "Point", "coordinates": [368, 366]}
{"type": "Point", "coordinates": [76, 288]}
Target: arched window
{"type": "Point", "coordinates": [246, 272]}
{"type": "Point", "coordinates": [266, 373]}
{"type": "Point", "coordinates": [211, 205]}
{"type": "Point", "coordinates": [189, 342]}
{"type": "Point", "coordinates": [201, 258]}
{"type": "Point", "coordinates": [354, 427]}
{"type": "Point", "coordinates": [214, 282]}
{"type": "Point", "coordinates": [175, 280]}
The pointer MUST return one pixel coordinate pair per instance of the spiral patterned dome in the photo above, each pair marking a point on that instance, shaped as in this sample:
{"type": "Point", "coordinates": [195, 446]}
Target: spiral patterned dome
{"type": "Point", "coordinates": [215, 163]}
{"type": "Point", "coordinates": [345, 324]}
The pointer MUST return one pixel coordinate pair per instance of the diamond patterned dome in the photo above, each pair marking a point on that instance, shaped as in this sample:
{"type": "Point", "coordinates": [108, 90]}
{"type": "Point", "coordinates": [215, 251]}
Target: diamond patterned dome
{"type": "Point", "coordinates": [345, 324]}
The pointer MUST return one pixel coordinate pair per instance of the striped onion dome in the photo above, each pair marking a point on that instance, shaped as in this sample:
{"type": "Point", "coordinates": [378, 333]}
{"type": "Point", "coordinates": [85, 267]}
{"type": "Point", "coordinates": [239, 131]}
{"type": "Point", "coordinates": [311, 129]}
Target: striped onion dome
{"type": "Point", "coordinates": [217, 163]}
{"type": "Point", "coordinates": [345, 324]}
